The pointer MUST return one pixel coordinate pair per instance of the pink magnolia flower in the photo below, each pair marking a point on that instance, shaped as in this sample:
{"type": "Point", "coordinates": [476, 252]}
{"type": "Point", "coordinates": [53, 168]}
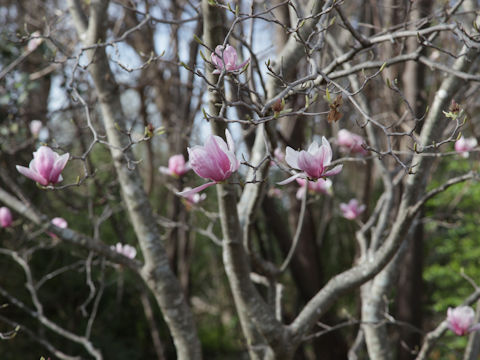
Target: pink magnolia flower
{"type": "Point", "coordinates": [46, 166]}
{"type": "Point", "coordinates": [194, 198]}
{"type": "Point", "coordinates": [351, 142]}
{"type": "Point", "coordinates": [226, 58]}
{"type": "Point", "coordinates": [6, 218]}
{"type": "Point", "coordinates": [352, 210]}
{"type": "Point", "coordinates": [35, 41]}
{"type": "Point", "coordinates": [464, 145]}
{"type": "Point", "coordinates": [60, 222]}
{"type": "Point", "coordinates": [125, 250]}
{"type": "Point", "coordinates": [35, 127]}
{"type": "Point", "coordinates": [176, 166]}
{"type": "Point", "coordinates": [460, 320]}
{"type": "Point", "coordinates": [313, 163]}
{"type": "Point", "coordinates": [320, 186]}
{"type": "Point", "coordinates": [215, 161]}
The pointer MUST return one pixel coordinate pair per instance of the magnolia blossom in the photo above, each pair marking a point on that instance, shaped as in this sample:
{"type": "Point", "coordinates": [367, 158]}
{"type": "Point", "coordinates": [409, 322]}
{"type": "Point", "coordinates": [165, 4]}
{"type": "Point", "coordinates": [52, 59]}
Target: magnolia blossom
{"type": "Point", "coordinates": [34, 41]}
{"type": "Point", "coordinates": [350, 142]}
{"type": "Point", "coordinates": [320, 186]}
{"type": "Point", "coordinates": [352, 210]}
{"type": "Point", "coordinates": [460, 320]}
{"type": "Point", "coordinates": [314, 162]}
{"type": "Point", "coordinates": [464, 145]}
{"type": "Point", "coordinates": [215, 161]}
{"type": "Point", "coordinates": [125, 250]}
{"type": "Point", "coordinates": [6, 218]}
{"type": "Point", "coordinates": [35, 127]}
{"type": "Point", "coordinates": [194, 198]}
{"type": "Point", "coordinates": [46, 166]}
{"type": "Point", "coordinates": [60, 222]}
{"type": "Point", "coordinates": [176, 166]}
{"type": "Point", "coordinates": [226, 58]}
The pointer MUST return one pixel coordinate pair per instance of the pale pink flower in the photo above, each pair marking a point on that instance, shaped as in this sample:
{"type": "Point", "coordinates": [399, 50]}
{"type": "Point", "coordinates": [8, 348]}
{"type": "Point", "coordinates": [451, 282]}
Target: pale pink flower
{"type": "Point", "coordinates": [314, 162]}
{"type": "Point", "coordinates": [194, 198]}
{"type": "Point", "coordinates": [215, 161]}
{"type": "Point", "coordinates": [45, 167]}
{"type": "Point", "coordinates": [350, 142]}
{"type": "Point", "coordinates": [60, 222]}
{"type": "Point", "coordinates": [352, 210]}
{"type": "Point", "coordinates": [320, 186]}
{"type": "Point", "coordinates": [460, 320]}
{"type": "Point", "coordinates": [34, 41]}
{"type": "Point", "coordinates": [35, 127]}
{"type": "Point", "coordinates": [125, 250]}
{"type": "Point", "coordinates": [6, 218]}
{"type": "Point", "coordinates": [464, 145]}
{"type": "Point", "coordinates": [226, 58]}
{"type": "Point", "coordinates": [177, 166]}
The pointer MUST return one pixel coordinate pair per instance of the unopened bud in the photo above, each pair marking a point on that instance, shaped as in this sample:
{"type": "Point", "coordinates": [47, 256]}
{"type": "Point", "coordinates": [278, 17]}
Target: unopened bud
{"type": "Point", "coordinates": [278, 106]}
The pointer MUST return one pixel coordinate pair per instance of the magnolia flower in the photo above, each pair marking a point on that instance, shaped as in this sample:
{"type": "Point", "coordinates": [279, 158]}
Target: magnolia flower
{"type": "Point", "coordinates": [46, 166]}
{"type": "Point", "coordinates": [460, 320]}
{"type": "Point", "coordinates": [215, 161]}
{"type": "Point", "coordinates": [351, 142]}
{"type": "Point", "coordinates": [194, 198]}
{"type": "Point", "coordinates": [35, 127]}
{"type": "Point", "coordinates": [6, 218]}
{"type": "Point", "coordinates": [125, 250]}
{"type": "Point", "coordinates": [319, 186]}
{"type": "Point", "coordinates": [34, 42]}
{"type": "Point", "coordinates": [463, 146]}
{"type": "Point", "coordinates": [60, 222]}
{"type": "Point", "coordinates": [176, 166]}
{"type": "Point", "coordinates": [226, 58]}
{"type": "Point", "coordinates": [313, 162]}
{"type": "Point", "coordinates": [352, 210]}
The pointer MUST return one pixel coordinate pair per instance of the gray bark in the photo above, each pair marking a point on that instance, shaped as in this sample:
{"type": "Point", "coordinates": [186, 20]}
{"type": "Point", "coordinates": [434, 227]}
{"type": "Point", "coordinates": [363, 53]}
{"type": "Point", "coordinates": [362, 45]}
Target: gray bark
{"type": "Point", "coordinates": [156, 271]}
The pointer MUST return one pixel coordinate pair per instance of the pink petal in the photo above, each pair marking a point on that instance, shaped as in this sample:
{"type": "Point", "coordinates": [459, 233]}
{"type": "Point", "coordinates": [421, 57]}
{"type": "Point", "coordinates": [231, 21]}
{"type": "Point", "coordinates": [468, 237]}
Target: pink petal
{"type": "Point", "coordinates": [230, 142]}
{"type": "Point", "coordinates": [300, 192]}
{"type": "Point", "coordinates": [241, 66]}
{"type": "Point", "coordinates": [327, 149]}
{"type": "Point", "coordinates": [58, 167]}
{"type": "Point", "coordinates": [291, 157]}
{"type": "Point", "coordinates": [291, 178]}
{"type": "Point", "coordinates": [193, 191]}
{"type": "Point", "coordinates": [312, 165]}
{"type": "Point", "coordinates": [215, 147]}
{"type": "Point", "coordinates": [203, 164]}
{"type": "Point", "coordinates": [164, 170]}
{"type": "Point", "coordinates": [336, 170]}
{"type": "Point", "coordinates": [32, 175]}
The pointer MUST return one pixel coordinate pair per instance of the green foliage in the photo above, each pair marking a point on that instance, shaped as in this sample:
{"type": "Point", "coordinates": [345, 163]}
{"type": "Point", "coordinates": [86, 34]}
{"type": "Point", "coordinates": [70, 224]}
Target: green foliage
{"type": "Point", "coordinates": [452, 243]}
